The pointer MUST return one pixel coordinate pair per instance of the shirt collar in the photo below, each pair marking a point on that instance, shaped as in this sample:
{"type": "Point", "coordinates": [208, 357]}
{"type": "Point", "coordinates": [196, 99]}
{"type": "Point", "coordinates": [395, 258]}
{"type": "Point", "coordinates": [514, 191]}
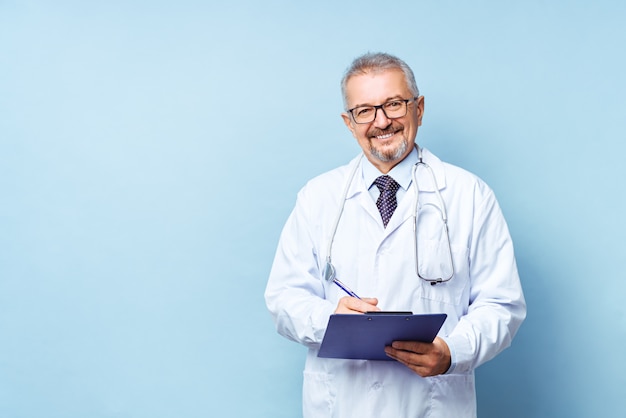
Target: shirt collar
{"type": "Point", "coordinates": [401, 173]}
{"type": "Point", "coordinates": [404, 176]}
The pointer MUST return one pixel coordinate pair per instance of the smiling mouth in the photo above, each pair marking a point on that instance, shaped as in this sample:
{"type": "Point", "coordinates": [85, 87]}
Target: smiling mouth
{"type": "Point", "coordinates": [385, 134]}
{"type": "Point", "coordinates": [381, 136]}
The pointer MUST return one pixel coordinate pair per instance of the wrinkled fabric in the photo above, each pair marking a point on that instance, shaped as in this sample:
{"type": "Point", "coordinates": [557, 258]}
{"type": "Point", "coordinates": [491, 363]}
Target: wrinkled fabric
{"type": "Point", "coordinates": [484, 300]}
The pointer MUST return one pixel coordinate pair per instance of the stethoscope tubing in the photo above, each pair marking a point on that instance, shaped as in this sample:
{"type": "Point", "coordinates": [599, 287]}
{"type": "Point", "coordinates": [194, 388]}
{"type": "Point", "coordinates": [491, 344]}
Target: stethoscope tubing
{"type": "Point", "coordinates": [443, 211]}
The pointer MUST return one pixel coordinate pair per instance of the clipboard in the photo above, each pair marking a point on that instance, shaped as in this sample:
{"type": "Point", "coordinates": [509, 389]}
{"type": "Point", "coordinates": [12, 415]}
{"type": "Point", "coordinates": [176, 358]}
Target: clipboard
{"type": "Point", "coordinates": [365, 336]}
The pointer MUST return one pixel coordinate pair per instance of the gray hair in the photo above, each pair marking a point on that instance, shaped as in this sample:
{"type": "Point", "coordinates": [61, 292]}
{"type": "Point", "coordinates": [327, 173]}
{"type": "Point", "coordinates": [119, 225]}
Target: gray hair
{"type": "Point", "coordinates": [375, 62]}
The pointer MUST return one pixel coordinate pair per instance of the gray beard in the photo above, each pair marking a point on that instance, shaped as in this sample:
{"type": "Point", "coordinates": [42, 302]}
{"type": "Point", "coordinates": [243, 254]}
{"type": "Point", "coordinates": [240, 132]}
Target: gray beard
{"type": "Point", "coordinates": [390, 156]}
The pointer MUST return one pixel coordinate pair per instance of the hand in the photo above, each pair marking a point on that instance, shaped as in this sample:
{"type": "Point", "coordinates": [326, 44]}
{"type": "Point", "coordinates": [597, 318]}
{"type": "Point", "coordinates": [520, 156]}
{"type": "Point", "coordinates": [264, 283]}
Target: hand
{"type": "Point", "coordinates": [425, 359]}
{"type": "Point", "coordinates": [350, 305]}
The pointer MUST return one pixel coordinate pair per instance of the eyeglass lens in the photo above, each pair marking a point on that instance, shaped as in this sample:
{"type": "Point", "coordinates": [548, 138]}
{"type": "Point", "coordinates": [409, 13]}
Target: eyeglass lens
{"type": "Point", "coordinates": [392, 110]}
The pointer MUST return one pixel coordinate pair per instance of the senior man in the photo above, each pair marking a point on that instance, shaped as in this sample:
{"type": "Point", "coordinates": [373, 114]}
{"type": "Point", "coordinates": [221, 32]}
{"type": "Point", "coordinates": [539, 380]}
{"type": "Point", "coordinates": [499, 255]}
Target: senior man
{"type": "Point", "coordinates": [361, 214]}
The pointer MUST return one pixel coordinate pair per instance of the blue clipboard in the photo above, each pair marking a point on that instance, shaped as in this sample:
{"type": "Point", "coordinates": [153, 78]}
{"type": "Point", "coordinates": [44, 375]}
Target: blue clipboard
{"type": "Point", "coordinates": [365, 336]}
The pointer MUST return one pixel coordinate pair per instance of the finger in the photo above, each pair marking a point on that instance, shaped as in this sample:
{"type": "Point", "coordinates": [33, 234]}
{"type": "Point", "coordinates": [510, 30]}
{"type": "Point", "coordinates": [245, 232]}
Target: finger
{"type": "Point", "coordinates": [402, 357]}
{"type": "Point", "coordinates": [349, 304]}
{"type": "Point", "coordinates": [426, 359]}
{"type": "Point", "coordinates": [412, 346]}
{"type": "Point", "coordinates": [372, 302]}
{"type": "Point", "coordinates": [362, 305]}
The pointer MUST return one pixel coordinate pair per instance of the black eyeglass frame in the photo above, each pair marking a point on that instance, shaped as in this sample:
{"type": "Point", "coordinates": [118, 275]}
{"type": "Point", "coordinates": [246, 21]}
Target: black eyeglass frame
{"type": "Point", "coordinates": [406, 109]}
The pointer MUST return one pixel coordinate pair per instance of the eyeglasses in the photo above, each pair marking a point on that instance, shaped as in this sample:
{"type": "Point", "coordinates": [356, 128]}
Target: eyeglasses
{"type": "Point", "coordinates": [392, 109]}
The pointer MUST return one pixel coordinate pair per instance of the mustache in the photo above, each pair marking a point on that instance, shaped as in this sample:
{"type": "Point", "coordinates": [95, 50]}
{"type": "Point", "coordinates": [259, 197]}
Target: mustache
{"type": "Point", "coordinates": [392, 128]}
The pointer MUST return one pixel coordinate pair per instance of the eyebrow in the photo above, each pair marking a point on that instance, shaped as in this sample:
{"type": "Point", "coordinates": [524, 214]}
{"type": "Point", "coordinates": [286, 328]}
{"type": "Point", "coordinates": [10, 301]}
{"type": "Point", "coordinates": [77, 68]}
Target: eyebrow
{"type": "Point", "coordinates": [388, 99]}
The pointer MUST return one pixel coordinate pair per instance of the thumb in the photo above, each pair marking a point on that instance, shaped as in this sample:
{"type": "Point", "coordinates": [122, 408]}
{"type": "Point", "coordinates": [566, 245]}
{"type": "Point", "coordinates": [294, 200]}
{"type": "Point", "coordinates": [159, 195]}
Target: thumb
{"type": "Point", "coordinates": [371, 301]}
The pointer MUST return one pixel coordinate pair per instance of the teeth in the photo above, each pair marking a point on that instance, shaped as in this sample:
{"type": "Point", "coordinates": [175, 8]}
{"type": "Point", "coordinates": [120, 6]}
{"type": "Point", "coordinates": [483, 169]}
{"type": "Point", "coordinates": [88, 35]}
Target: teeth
{"type": "Point", "coordinates": [385, 136]}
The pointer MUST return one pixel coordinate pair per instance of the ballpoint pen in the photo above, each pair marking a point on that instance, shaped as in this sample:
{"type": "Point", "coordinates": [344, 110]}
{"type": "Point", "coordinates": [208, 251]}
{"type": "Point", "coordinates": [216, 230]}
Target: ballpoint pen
{"type": "Point", "coordinates": [345, 288]}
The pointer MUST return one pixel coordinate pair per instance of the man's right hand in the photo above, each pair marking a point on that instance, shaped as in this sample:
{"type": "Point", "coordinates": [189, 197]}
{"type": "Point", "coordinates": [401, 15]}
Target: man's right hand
{"type": "Point", "coordinates": [350, 305]}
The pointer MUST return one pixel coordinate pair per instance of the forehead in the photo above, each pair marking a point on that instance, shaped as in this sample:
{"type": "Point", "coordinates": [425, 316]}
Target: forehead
{"type": "Point", "coordinates": [373, 88]}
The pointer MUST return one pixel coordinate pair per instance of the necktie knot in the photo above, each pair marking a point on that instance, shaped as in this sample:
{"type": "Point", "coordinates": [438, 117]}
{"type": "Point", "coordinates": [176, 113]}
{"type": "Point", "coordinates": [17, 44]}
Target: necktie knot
{"type": "Point", "coordinates": [386, 202]}
{"type": "Point", "coordinates": [387, 183]}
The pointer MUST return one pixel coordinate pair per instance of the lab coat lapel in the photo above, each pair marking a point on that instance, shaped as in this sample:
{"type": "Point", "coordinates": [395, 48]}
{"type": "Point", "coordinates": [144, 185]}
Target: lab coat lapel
{"type": "Point", "coordinates": [424, 178]}
{"type": "Point", "coordinates": [403, 211]}
{"type": "Point", "coordinates": [359, 192]}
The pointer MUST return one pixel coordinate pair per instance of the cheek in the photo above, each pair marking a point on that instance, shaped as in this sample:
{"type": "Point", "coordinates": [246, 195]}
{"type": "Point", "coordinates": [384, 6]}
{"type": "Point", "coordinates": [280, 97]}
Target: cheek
{"type": "Point", "coordinates": [412, 128]}
{"type": "Point", "coordinates": [360, 134]}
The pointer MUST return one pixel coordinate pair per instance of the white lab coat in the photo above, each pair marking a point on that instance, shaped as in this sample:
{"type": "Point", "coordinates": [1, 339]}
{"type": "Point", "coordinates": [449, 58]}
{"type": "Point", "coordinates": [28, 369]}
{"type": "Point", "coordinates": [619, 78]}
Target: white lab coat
{"type": "Point", "coordinates": [484, 300]}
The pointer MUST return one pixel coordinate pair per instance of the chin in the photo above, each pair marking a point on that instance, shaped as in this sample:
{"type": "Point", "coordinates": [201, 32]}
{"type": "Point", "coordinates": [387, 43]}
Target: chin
{"type": "Point", "coordinates": [390, 155]}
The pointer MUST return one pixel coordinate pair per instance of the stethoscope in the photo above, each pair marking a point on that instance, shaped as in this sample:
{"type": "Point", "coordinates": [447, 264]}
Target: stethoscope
{"type": "Point", "coordinates": [329, 271]}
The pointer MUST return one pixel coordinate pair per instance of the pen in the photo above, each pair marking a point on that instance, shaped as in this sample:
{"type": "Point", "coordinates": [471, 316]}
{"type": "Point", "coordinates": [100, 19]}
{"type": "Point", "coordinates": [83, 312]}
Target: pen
{"type": "Point", "coordinates": [345, 288]}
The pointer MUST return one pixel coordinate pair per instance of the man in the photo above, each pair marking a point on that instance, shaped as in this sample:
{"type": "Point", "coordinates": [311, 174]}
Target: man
{"type": "Point", "coordinates": [372, 248]}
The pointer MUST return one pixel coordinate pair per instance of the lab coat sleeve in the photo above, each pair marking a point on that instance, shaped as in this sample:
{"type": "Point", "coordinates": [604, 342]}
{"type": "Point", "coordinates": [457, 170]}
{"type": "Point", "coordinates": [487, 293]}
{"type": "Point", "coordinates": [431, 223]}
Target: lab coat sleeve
{"type": "Point", "coordinates": [496, 306]}
{"type": "Point", "coordinates": [295, 293]}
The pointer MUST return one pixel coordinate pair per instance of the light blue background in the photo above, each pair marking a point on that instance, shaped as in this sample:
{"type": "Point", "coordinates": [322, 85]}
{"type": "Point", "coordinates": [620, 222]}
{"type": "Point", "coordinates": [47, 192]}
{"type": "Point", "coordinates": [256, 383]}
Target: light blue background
{"type": "Point", "coordinates": [128, 287]}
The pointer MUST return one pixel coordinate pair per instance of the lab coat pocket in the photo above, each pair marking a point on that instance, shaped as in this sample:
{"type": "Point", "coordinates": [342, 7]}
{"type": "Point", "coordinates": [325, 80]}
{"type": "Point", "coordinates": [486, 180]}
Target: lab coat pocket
{"type": "Point", "coordinates": [438, 260]}
{"type": "Point", "coordinates": [454, 396]}
{"type": "Point", "coordinates": [318, 395]}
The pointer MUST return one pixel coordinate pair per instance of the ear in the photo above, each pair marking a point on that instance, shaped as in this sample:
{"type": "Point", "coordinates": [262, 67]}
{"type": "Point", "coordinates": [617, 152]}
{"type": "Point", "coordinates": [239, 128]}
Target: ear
{"type": "Point", "coordinates": [348, 121]}
{"type": "Point", "coordinates": [420, 110]}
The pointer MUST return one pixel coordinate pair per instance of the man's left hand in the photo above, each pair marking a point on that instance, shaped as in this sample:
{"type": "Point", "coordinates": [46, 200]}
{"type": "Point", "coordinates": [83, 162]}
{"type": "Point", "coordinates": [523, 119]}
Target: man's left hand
{"type": "Point", "coordinates": [425, 359]}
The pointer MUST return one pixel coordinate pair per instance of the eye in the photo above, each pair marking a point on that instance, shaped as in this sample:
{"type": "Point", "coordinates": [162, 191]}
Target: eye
{"type": "Point", "coordinates": [363, 111]}
{"type": "Point", "coordinates": [394, 104]}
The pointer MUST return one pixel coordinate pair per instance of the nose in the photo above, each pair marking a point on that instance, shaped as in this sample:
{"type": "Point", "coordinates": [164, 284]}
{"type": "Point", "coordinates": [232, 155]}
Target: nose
{"type": "Point", "coordinates": [380, 118]}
